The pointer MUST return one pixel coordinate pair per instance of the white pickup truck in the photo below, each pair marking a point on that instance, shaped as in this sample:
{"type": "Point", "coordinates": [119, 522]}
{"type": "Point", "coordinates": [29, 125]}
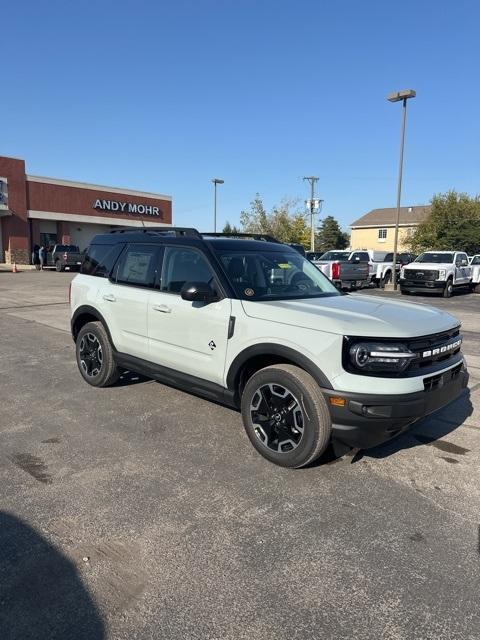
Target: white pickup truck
{"type": "Point", "coordinates": [438, 272]}
{"type": "Point", "coordinates": [475, 266]}
{"type": "Point", "coordinates": [382, 271]}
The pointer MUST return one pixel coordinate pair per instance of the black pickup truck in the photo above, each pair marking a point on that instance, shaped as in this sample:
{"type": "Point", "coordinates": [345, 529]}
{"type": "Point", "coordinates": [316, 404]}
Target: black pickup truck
{"type": "Point", "coordinates": [64, 257]}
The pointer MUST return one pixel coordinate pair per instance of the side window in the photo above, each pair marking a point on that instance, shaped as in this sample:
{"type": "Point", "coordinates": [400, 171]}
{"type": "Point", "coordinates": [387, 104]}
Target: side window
{"type": "Point", "coordinates": [100, 259]}
{"type": "Point", "coordinates": [464, 259]}
{"type": "Point", "coordinates": [181, 265]}
{"type": "Point", "coordinates": [138, 265]}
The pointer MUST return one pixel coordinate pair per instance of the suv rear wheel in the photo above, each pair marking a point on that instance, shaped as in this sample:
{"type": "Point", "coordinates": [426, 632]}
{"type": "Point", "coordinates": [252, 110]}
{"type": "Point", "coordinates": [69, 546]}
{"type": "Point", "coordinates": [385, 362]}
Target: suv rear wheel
{"type": "Point", "coordinates": [285, 415]}
{"type": "Point", "coordinates": [58, 266]}
{"type": "Point", "coordinates": [95, 356]}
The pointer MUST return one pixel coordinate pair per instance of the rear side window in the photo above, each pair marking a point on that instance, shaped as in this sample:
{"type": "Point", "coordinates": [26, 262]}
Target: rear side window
{"type": "Point", "coordinates": [138, 265]}
{"type": "Point", "coordinates": [100, 259]}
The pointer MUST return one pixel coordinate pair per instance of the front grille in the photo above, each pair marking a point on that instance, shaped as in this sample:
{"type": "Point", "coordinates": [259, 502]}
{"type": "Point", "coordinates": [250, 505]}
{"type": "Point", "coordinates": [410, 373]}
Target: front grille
{"type": "Point", "coordinates": [438, 348]}
{"type": "Point", "coordinates": [420, 275]}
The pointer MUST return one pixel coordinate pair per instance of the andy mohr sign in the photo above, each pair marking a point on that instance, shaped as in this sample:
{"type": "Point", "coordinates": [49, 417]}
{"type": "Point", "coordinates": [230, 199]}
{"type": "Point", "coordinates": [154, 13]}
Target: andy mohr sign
{"type": "Point", "coordinates": [126, 207]}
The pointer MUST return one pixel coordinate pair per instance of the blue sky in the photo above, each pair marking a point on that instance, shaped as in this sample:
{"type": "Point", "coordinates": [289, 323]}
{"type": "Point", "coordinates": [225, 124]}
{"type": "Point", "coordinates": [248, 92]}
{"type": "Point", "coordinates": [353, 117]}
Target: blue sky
{"type": "Point", "coordinates": [163, 96]}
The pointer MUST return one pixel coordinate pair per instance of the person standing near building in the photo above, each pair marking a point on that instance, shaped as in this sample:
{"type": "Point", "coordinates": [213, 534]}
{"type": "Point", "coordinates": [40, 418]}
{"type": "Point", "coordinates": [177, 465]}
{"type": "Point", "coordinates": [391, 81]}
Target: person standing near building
{"type": "Point", "coordinates": [42, 254]}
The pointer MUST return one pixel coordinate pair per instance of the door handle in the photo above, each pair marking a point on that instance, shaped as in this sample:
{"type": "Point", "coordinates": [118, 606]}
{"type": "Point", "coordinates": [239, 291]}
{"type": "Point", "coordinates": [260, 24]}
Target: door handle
{"type": "Point", "coordinates": [109, 297]}
{"type": "Point", "coordinates": [162, 308]}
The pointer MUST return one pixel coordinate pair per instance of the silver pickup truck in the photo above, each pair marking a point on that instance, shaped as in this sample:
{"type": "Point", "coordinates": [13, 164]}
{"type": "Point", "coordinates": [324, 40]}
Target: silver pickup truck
{"type": "Point", "coordinates": [346, 269]}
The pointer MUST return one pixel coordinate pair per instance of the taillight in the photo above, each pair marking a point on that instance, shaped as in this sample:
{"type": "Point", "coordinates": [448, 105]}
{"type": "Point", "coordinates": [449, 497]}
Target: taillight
{"type": "Point", "coordinates": [65, 256]}
{"type": "Point", "coordinates": [335, 271]}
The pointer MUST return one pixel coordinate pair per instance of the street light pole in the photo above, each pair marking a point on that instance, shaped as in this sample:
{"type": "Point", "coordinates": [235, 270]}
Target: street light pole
{"type": "Point", "coordinates": [312, 180]}
{"type": "Point", "coordinates": [402, 96]}
{"type": "Point", "coordinates": [215, 182]}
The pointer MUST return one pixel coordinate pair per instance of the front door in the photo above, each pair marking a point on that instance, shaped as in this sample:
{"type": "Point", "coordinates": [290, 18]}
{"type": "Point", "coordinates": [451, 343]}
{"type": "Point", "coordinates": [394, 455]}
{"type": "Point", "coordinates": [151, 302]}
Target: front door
{"type": "Point", "coordinates": [189, 337]}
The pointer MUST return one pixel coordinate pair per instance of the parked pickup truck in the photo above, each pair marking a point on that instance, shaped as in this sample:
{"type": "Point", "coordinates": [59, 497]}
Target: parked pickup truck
{"type": "Point", "coordinates": [382, 271]}
{"type": "Point", "coordinates": [64, 257]}
{"type": "Point", "coordinates": [475, 266]}
{"type": "Point", "coordinates": [345, 269]}
{"type": "Point", "coordinates": [438, 272]}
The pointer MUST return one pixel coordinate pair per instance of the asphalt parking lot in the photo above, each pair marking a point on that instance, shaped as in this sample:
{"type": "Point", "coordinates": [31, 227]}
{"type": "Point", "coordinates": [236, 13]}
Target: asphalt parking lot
{"type": "Point", "coordinates": [140, 511]}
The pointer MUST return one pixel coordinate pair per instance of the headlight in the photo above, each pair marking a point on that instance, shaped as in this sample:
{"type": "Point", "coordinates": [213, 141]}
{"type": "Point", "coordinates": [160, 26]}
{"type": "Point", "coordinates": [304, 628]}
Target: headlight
{"type": "Point", "coordinates": [442, 274]}
{"type": "Point", "coordinates": [402, 273]}
{"type": "Point", "coordinates": [373, 356]}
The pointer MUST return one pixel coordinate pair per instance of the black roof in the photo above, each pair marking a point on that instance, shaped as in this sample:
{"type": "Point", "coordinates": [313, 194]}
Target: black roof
{"type": "Point", "coordinates": [191, 237]}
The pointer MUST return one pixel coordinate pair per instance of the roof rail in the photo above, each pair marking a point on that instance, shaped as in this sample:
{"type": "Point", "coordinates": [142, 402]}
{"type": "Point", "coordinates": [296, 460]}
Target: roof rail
{"type": "Point", "coordinates": [253, 236]}
{"type": "Point", "coordinates": [177, 232]}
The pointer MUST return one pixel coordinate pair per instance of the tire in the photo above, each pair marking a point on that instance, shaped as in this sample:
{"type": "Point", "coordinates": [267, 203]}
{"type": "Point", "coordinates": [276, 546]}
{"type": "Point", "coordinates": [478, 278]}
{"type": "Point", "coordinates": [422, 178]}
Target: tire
{"type": "Point", "coordinates": [305, 430]}
{"type": "Point", "coordinates": [448, 289]}
{"type": "Point", "coordinates": [98, 368]}
{"type": "Point", "coordinates": [386, 279]}
{"type": "Point", "coordinates": [404, 292]}
{"type": "Point", "coordinates": [58, 266]}
{"type": "Point", "coordinates": [476, 288]}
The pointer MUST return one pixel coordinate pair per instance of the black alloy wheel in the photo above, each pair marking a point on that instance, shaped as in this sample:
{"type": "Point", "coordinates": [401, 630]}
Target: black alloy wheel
{"type": "Point", "coordinates": [285, 415]}
{"type": "Point", "coordinates": [91, 355]}
{"type": "Point", "coordinates": [95, 355]}
{"type": "Point", "coordinates": [277, 418]}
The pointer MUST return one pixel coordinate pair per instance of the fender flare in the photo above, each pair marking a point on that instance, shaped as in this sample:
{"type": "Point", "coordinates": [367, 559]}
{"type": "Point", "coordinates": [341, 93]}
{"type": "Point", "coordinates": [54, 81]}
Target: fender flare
{"type": "Point", "coordinates": [273, 349]}
{"type": "Point", "coordinates": [86, 309]}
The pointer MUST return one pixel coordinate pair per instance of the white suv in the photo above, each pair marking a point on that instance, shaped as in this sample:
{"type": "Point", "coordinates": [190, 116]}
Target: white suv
{"type": "Point", "coordinates": [252, 324]}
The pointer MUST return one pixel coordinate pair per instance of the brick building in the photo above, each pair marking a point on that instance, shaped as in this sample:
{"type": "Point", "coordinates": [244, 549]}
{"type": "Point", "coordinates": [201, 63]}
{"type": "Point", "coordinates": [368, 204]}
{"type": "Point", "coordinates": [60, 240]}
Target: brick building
{"type": "Point", "coordinates": [35, 210]}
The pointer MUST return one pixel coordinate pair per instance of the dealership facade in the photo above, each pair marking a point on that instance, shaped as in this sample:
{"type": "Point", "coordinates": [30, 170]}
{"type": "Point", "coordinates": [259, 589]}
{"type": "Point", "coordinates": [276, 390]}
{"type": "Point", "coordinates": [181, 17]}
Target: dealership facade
{"type": "Point", "coordinates": [45, 211]}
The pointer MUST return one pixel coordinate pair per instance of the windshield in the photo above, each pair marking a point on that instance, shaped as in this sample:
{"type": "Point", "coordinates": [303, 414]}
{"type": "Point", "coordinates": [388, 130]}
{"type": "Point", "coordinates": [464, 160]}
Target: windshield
{"type": "Point", "coordinates": [439, 258]}
{"type": "Point", "coordinates": [475, 260]}
{"type": "Point", "coordinates": [274, 275]}
{"type": "Point", "coordinates": [335, 255]}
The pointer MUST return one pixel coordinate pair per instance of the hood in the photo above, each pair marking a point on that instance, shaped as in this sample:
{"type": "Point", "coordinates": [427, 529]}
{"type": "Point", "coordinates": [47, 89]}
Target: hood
{"type": "Point", "coordinates": [427, 266]}
{"type": "Point", "coordinates": [356, 315]}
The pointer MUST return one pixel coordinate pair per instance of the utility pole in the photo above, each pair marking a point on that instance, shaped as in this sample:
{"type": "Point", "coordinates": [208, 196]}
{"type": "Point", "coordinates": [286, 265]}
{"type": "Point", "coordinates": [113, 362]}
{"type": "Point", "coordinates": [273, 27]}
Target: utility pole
{"type": "Point", "coordinates": [312, 180]}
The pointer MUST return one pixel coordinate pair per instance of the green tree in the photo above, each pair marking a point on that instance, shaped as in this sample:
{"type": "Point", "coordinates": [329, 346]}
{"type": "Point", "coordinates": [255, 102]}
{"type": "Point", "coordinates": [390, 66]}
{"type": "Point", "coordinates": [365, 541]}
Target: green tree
{"type": "Point", "coordinates": [285, 222]}
{"type": "Point", "coordinates": [229, 229]}
{"type": "Point", "coordinates": [330, 236]}
{"type": "Point", "coordinates": [452, 224]}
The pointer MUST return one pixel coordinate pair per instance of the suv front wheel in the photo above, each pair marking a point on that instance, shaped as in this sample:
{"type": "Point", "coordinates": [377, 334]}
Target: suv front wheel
{"type": "Point", "coordinates": [285, 415]}
{"type": "Point", "coordinates": [95, 356]}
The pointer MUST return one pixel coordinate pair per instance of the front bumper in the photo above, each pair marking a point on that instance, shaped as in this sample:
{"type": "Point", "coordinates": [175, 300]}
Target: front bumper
{"type": "Point", "coordinates": [368, 420]}
{"type": "Point", "coordinates": [416, 286]}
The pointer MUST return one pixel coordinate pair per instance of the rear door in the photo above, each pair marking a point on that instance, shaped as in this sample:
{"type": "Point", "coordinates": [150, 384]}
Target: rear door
{"type": "Point", "coordinates": [190, 337]}
{"type": "Point", "coordinates": [123, 299]}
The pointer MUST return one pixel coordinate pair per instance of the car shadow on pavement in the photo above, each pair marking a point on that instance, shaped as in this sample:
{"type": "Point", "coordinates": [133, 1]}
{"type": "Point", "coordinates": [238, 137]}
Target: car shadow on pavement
{"type": "Point", "coordinates": [128, 378]}
{"type": "Point", "coordinates": [428, 431]}
{"type": "Point", "coordinates": [42, 597]}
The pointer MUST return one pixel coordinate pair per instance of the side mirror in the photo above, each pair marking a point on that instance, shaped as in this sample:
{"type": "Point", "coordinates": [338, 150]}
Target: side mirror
{"type": "Point", "coordinates": [197, 292]}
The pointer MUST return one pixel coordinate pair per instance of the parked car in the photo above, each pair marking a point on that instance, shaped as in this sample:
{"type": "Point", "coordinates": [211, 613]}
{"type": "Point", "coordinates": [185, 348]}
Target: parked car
{"type": "Point", "coordinates": [64, 257]}
{"type": "Point", "coordinates": [436, 272]}
{"type": "Point", "coordinates": [346, 269]}
{"type": "Point", "coordinates": [475, 265]}
{"type": "Point", "coordinates": [382, 273]}
{"type": "Point", "coordinates": [254, 325]}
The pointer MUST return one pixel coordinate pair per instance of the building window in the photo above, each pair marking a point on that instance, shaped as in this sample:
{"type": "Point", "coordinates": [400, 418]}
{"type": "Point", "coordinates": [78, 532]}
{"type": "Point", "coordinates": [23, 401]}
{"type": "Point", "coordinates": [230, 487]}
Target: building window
{"type": "Point", "coordinates": [382, 235]}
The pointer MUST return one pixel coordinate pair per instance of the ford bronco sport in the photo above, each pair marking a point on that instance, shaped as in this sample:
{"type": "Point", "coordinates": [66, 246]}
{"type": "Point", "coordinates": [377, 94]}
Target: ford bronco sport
{"type": "Point", "coordinates": [251, 323]}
